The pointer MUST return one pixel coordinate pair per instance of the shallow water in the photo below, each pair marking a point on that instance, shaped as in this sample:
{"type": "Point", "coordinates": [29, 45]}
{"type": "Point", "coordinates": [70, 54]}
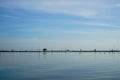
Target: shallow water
{"type": "Point", "coordinates": [59, 66]}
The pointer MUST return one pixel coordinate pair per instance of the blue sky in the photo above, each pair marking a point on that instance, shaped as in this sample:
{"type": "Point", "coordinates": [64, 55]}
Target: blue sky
{"type": "Point", "coordinates": [59, 24]}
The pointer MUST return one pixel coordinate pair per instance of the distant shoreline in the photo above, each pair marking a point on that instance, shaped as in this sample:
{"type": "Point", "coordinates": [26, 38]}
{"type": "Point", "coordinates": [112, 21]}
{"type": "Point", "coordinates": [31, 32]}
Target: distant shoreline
{"type": "Point", "coordinates": [61, 51]}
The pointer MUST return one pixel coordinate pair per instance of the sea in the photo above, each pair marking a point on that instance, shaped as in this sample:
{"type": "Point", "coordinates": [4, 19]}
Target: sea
{"type": "Point", "coordinates": [59, 66]}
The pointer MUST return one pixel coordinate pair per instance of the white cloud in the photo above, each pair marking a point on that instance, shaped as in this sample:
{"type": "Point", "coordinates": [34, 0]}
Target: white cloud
{"type": "Point", "coordinates": [100, 24]}
{"type": "Point", "coordinates": [117, 5]}
{"type": "Point", "coordinates": [82, 8]}
{"type": "Point", "coordinates": [7, 16]}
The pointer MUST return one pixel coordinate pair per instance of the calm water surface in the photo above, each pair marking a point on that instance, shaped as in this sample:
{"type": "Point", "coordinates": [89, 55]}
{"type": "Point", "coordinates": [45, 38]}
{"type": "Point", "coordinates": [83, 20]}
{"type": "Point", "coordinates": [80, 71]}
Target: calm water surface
{"type": "Point", "coordinates": [59, 66]}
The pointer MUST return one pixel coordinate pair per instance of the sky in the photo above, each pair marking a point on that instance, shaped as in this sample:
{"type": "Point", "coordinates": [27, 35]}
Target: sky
{"type": "Point", "coordinates": [59, 24]}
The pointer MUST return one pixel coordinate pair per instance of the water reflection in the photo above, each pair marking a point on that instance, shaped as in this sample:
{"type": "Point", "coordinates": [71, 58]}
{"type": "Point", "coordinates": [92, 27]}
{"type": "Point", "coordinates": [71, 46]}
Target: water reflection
{"type": "Point", "coordinates": [60, 66]}
{"type": "Point", "coordinates": [63, 53]}
{"type": "Point", "coordinates": [44, 53]}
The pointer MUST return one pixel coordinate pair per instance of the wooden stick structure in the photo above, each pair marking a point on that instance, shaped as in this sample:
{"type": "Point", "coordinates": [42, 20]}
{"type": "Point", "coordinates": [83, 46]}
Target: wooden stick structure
{"type": "Point", "coordinates": [45, 50]}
